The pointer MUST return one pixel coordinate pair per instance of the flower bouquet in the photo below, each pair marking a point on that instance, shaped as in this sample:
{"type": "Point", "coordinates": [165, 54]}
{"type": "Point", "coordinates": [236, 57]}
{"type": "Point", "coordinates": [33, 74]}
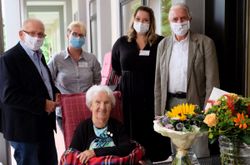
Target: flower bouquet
{"type": "Point", "coordinates": [227, 120]}
{"type": "Point", "coordinates": [182, 125]}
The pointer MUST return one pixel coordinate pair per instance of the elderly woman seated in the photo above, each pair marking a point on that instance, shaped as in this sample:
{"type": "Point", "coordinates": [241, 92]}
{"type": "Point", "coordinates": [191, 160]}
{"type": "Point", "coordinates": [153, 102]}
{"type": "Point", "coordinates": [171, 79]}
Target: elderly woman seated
{"type": "Point", "coordinates": [101, 135]}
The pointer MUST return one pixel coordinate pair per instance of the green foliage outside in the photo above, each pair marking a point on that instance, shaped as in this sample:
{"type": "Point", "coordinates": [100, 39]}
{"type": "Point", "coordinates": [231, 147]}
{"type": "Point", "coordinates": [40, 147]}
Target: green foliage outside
{"type": "Point", "coordinates": [46, 48]}
{"type": "Point", "coordinates": [135, 5]}
{"type": "Point", "coordinates": [165, 27]}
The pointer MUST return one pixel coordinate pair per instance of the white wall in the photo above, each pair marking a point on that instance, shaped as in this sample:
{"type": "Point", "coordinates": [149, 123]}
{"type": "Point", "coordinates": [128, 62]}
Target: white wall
{"type": "Point", "coordinates": [103, 28]}
{"type": "Point", "coordinates": [12, 22]}
{"type": "Point", "coordinates": [115, 21]}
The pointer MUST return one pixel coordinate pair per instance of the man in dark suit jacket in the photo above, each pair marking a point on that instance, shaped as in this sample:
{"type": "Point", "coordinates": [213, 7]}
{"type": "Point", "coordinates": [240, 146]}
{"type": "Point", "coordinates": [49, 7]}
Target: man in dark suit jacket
{"type": "Point", "coordinates": [27, 93]}
{"type": "Point", "coordinates": [0, 118]}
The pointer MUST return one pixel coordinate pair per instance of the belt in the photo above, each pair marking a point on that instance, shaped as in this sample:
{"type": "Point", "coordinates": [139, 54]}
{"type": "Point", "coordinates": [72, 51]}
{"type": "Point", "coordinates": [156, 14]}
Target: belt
{"type": "Point", "coordinates": [180, 95]}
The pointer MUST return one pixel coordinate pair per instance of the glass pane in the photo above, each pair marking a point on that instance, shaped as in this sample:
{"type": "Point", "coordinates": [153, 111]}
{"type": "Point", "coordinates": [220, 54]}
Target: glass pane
{"type": "Point", "coordinates": [93, 27]}
{"type": "Point", "coordinates": [127, 11]}
{"type": "Point", "coordinates": [93, 31]}
{"type": "Point", "coordinates": [165, 27]}
{"type": "Point", "coordinates": [92, 8]}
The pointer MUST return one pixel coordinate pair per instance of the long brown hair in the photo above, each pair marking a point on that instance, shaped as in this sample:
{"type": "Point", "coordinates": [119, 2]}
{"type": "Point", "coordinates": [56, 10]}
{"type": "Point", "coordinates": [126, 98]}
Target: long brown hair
{"type": "Point", "coordinates": [150, 35]}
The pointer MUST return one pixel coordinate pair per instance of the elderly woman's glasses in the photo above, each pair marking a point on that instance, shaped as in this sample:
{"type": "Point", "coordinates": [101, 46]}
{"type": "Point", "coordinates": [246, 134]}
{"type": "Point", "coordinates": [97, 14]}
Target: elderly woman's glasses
{"type": "Point", "coordinates": [34, 34]}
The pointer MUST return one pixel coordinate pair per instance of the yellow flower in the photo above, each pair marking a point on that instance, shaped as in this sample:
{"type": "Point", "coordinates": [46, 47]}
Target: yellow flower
{"type": "Point", "coordinates": [211, 120]}
{"type": "Point", "coordinates": [180, 112]}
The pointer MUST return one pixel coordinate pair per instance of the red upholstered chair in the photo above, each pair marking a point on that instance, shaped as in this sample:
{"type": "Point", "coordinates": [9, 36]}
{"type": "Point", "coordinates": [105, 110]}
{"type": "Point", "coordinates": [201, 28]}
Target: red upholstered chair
{"type": "Point", "coordinates": [74, 110]}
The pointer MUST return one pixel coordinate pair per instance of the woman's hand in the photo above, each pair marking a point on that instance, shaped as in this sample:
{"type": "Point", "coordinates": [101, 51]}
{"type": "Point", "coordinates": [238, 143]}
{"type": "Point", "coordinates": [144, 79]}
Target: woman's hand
{"type": "Point", "coordinates": [86, 155]}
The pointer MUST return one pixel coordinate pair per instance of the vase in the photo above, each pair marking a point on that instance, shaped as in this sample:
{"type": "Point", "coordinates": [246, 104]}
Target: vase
{"type": "Point", "coordinates": [181, 157]}
{"type": "Point", "coordinates": [233, 152]}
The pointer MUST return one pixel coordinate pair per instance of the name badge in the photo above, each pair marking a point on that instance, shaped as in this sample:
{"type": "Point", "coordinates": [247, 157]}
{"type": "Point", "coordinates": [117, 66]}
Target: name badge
{"type": "Point", "coordinates": [144, 53]}
{"type": "Point", "coordinates": [83, 64]}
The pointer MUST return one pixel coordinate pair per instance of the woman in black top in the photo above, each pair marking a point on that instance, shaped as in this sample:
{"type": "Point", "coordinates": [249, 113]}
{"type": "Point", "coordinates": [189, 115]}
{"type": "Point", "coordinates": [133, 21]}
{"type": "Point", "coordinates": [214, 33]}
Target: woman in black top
{"type": "Point", "coordinates": [134, 58]}
{"type": "Point", "coordinates": [100, 135]}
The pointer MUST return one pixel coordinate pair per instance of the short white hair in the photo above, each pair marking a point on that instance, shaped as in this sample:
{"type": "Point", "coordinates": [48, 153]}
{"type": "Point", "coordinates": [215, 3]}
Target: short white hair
{"type": "Point", "coordinates": [96, 89]}
{"type": "Point", "coordinates": [182, 6]}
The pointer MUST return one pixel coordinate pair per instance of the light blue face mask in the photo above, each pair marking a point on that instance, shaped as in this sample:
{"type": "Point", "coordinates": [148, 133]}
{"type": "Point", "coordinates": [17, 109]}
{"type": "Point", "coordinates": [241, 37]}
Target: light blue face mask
{"type": "Point", "coordinates": [77, 42]}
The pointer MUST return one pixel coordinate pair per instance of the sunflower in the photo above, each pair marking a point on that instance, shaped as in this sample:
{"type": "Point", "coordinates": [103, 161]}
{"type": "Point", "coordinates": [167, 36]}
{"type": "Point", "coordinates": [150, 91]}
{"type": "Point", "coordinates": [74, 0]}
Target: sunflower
{"type": "Point", "coordinates": [181, 112]}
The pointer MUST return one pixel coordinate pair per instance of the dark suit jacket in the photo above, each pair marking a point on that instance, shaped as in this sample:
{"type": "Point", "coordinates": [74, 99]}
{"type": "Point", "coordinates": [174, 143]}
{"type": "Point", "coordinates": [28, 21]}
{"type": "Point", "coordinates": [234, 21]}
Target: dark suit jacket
{"type": "Point", "coordinates": [0, 118]}
{"type": "Point", "coordinates": [23, 94]}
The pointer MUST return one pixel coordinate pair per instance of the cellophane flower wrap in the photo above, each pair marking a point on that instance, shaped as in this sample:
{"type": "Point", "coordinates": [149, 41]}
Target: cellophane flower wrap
{"type": "Point", "coordinates": [228, 116]}
{"type": "Point", "coordinates": [182, 125]}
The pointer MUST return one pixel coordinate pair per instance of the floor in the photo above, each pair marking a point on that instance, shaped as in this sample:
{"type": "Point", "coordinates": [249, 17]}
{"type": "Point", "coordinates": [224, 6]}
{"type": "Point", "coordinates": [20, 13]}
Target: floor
{"type": "Point", "coordinates": [59, 146]}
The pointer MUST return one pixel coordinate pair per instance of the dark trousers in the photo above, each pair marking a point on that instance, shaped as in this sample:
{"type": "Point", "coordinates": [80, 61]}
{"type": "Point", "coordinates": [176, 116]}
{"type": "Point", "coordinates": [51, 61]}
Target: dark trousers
{"type": "Point", "coordinates": [40, 153]}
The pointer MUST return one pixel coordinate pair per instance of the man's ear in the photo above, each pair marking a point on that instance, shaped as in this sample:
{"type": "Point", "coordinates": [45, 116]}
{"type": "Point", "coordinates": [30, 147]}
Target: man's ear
{"type": "Point", "coordinates": [21, 34]}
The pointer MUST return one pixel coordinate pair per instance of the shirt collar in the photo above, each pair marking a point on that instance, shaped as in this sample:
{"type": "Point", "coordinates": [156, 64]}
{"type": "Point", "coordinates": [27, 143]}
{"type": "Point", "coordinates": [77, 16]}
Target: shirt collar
{"type": "Point", "coordinates": [67, 55]}
{"type": "Point", "coordinates": [182, 41]}
{"type": "Point", "coordinates": [29, 51]}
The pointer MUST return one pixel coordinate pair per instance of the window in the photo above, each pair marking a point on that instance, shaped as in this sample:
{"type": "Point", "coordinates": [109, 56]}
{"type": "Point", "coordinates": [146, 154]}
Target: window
{"type": "Point", "coordinates": [93, 26]}
{"type": "Point", "coordinates": [127, 9]}
{"type": "Point", "coordinates": [165, 27]}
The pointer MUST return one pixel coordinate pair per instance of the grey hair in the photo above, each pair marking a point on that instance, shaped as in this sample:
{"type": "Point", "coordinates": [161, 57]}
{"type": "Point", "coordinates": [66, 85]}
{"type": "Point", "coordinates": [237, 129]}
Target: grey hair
{"type": "Point", "coordinates": [31, 20]}
{"type": "Point", "coordinates": [180, 5]}
{"type": "Point", "coordinates": [96, 89]}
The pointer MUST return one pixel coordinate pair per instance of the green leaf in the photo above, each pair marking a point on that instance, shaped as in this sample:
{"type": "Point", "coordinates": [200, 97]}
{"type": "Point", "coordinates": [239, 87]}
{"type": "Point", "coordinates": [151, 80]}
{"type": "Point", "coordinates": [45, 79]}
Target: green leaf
{"type": "Point", "coordinates": [246, 139]}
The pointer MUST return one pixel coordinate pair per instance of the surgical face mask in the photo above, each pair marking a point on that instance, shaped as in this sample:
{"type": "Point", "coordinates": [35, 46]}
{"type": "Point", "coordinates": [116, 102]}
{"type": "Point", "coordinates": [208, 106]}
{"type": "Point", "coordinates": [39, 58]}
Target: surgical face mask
{"type": "Point", "coordinates": [180, 29]}
{"type": "Point", "coordinates": [77, 42]}
{"type": "Point", "coordinates": [34, 43]}
{"type": "Point", "coordinates": [141, 27]}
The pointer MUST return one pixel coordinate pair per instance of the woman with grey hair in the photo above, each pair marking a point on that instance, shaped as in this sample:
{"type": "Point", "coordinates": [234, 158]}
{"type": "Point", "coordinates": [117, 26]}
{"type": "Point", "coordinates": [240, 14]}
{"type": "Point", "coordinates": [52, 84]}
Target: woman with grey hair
{"type": "Point", "coordinates": [97, 89]}
{"type": "Point", "coordinates": [74, 70]}
{"type": "Point", "coordinates": [100, 135]}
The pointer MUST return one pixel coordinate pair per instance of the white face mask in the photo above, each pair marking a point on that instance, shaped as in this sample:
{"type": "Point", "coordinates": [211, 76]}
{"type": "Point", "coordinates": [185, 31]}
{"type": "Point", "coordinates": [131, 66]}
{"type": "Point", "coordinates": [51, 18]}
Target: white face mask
{"type": "Point", "coordinates": [33, 43]}
{"type": "Point", "coordinates": [141, 27]}
{"type": "Point", "coordinates": [180, 29]}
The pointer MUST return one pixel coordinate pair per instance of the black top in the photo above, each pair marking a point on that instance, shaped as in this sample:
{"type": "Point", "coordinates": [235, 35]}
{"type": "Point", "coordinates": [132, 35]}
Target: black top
{"type": "Point", "coordinates": [84, 135]}
{"type": "Point", "coordinates": [137, 87]}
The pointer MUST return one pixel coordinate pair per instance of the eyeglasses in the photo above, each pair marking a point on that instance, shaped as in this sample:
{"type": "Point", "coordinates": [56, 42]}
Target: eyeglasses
{"type": "Point", "coordinates": [179, 19]}
{"type": "Point", "coordinates": [34, 34]}
{"type": "Point", "coordinates": [75, 34]}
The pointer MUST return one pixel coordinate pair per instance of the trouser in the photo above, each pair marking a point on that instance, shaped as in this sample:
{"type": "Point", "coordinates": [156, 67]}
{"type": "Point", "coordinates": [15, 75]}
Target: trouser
{"type": "Point", "coordinates": [59, 122]}
{"type": "Point", "coordinates": [40, 153]}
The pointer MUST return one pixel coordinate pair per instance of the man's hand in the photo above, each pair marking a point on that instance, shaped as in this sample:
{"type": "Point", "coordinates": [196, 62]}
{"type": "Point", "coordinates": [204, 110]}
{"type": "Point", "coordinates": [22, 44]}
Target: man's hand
{"type": "Point", "coordinates": [86, 155]}
{"type": "Point", "coordinates": [58, 98]}
{"type": "Point", "coordinates": [50, 106]}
